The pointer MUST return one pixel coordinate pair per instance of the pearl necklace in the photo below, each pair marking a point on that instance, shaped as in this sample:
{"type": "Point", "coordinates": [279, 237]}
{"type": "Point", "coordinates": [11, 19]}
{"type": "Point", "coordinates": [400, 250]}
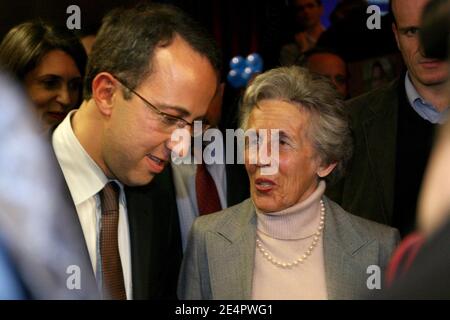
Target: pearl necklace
{"type": "Point", "coordinates": [265, 253]}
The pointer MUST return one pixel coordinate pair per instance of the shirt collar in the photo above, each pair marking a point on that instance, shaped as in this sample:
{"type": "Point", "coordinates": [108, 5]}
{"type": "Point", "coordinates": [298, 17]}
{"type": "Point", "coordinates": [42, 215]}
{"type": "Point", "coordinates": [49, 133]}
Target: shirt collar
{"type": "Point", "coordinates": [425, 110]}
{"type": "Point", "coordinates": [83, 176]}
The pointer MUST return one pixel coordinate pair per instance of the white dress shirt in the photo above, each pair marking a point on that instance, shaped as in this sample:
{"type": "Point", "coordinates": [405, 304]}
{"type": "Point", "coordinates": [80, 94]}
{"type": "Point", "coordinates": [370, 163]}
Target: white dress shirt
{"type": "Point", "coordinates": [85, 180]}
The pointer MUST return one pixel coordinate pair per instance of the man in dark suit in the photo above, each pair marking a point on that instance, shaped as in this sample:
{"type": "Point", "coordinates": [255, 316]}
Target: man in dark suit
{"type": "Point", "coordinates": [424, 272]}
{"type": "Point", "coordinates": [393, 131]}
{"type": "Point", "coordinates": [151, 71]}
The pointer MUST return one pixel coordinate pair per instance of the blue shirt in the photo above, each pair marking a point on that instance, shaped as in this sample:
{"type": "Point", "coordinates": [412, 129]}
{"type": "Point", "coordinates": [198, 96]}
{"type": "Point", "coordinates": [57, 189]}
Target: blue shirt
{"type": "Point", "coordinates": [424, 109]}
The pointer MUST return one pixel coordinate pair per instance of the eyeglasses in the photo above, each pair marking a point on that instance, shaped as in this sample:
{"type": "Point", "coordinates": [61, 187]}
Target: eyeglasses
{"type": "Point", "coordinates": [169, 121]}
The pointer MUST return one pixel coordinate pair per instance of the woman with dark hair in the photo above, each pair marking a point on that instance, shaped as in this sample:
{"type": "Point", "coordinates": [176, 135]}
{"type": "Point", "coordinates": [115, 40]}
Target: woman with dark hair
{"type": "Point", "coordinates": [50, 62]}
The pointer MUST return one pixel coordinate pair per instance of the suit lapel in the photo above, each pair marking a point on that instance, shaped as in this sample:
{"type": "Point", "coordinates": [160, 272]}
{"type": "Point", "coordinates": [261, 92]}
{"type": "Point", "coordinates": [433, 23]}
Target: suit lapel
{"type": "Point", "coordinates": [231, 256]}
{"type": "Point", "coordinates": [380, 133]}
{"type": "Point", "coordinates": [89, 279]}
{"type": "Point", "coordinates": [347, 254]}
{"type": "Point", "coordinates": [155, 238]}
{"type": "Point", "coordinates": [140, 222]}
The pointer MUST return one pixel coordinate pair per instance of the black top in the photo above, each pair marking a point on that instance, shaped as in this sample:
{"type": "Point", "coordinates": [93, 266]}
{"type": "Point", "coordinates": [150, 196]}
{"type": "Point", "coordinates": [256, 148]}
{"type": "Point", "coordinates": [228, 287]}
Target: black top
{"type": "Point", "coordinates": [413, 147]}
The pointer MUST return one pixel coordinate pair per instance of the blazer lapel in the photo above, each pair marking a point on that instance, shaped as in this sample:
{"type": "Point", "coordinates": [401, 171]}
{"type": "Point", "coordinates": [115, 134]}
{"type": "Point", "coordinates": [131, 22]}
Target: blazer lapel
{"type": "Point", "coordinates": [347, 254]}
{"type": "Point", "coordinates": [231, 256]}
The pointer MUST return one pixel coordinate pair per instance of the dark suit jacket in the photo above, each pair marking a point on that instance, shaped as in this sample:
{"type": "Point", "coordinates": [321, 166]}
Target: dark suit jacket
{"type": "Point", "coordinates": [154, 242]}
{"type": "Point", "coordinates": [368, 188]}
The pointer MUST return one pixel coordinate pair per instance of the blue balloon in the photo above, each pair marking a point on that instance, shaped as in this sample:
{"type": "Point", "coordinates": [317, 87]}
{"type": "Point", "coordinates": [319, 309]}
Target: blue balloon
{"type": "Point", "coordinates": [247, 74]}
{"type": "Point", "coordinates": [235, 78]}
{"type": "Point", "coordinates": [237, 63]}
{"type": "Point", "coordinates": [255, 62]}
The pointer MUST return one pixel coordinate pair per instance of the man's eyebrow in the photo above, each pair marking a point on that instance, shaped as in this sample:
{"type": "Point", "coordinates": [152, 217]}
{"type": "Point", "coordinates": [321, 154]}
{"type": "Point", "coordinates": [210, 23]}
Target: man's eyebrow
{"type": "Point", "coordinates": [181, 112]}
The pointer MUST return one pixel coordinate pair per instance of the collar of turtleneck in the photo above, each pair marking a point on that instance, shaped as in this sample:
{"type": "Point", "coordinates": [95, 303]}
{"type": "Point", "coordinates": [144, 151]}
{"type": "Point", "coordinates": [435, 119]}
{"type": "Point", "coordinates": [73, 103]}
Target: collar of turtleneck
{"type": "Point", "coordinates": [294, 223]}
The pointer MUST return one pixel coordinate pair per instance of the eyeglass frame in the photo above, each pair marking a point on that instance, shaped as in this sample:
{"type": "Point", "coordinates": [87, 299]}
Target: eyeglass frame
{"type": "Point", "coordinates": [161, 113]}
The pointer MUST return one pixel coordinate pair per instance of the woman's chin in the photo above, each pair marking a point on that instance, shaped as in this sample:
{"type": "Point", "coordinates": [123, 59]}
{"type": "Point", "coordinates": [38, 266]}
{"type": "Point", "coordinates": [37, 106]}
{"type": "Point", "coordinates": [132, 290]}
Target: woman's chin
{"type": "Point", "coordinates": [265, 204]}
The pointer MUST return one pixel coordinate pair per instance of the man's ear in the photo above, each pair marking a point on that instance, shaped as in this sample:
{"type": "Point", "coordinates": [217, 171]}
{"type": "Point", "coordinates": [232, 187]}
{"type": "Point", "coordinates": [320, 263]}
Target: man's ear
{"type": "Point", "coordinates": [103, 88]}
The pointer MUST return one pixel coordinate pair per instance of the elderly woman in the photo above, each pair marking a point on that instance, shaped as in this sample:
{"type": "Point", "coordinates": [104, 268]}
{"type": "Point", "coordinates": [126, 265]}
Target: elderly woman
{"type": "Point", "coordinates": [289, 241]}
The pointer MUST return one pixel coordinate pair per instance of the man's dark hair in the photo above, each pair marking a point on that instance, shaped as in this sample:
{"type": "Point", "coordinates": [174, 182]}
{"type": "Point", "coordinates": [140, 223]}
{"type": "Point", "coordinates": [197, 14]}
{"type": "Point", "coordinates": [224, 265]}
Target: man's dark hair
{"type": "Point", "coordinates": [127, 40]}
{"type": "Point", "coordinates": [435, 29]}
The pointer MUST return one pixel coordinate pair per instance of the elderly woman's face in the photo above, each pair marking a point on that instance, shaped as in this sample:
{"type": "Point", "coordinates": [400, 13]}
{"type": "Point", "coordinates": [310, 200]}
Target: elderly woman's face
{"type": "Point", "coordinates": [299, 168]}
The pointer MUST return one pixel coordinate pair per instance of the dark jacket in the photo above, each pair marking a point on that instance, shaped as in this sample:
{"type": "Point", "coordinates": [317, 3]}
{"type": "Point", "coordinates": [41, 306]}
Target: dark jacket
{"type": "Point", "coordinates": [391, 148]}
{"type": "Point", "coordinates": [368, 188]}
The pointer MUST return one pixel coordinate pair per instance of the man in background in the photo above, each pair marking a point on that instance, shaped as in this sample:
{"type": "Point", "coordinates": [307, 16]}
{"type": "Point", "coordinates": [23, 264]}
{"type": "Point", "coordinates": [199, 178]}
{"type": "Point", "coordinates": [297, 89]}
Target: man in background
{"type": "Point", "coordinates": [309, 29]}
{"type": "Point", "coordinates": [330, 65]}
{"type": "Point", "coordinates": [393, 130]}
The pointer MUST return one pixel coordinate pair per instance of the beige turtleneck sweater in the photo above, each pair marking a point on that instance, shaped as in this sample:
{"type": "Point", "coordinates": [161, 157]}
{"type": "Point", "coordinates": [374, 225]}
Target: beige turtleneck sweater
{"type": "Point", "coordinates": [286, 235]}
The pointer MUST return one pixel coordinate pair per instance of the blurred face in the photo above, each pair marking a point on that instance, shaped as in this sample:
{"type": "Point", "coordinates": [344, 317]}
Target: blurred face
{"type": "Point", "coordinates": [308, 12]}
{"type": "Point", "coordinates": [332, 67]}
{"type": "Point", "coordinates": [299, 167]}
{"type": "Point", "coordinates": [137, 142]}
{"type": "Point", "coordinates": [54, 87]}
{"type": "Point", "coordinates": [423, 71]}
{"type": "Point", "coordinates": [434, 200]}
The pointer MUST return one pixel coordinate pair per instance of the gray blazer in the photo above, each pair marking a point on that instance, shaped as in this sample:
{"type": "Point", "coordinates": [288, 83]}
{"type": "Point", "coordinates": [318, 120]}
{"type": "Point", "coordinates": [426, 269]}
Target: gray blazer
{"type": "Point", "coordinates": [220, 254]}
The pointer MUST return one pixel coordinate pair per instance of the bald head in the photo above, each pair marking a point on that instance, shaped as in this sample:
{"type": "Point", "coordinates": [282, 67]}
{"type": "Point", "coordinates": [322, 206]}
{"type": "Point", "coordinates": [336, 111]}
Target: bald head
{"type": "Point", "coordinates": [332, 66]}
